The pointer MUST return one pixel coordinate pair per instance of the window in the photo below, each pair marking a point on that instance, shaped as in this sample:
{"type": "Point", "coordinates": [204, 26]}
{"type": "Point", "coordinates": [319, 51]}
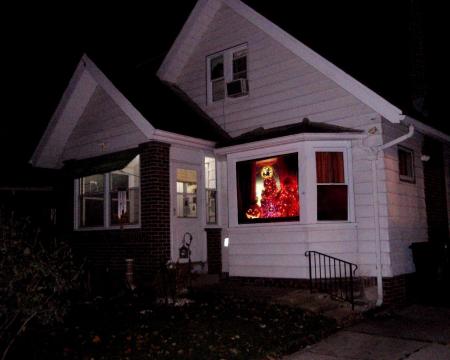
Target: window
{"type": "Point", "coordinates": [267, 189]}
{"type": "Point", "coordinates": [124, 194]}
{"type": "Point", "coordinates": [92, 200]}
{"type": "Point", "coordinates": [224, 68]}
{"type": "Point", "coordinates": [332, 188]}
{"type": "Point", "coordinates": [118, 191]}
{"type": "Point", "coordinates": [186, 193]}
{"type": "Point", "coordinates": [210, 187]}
{"type": "Point", "coordinates": [406, 164]}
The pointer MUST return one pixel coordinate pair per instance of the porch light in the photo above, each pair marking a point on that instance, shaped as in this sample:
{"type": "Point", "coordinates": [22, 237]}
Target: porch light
{"type": "Point", "coordinates": [226, 242]}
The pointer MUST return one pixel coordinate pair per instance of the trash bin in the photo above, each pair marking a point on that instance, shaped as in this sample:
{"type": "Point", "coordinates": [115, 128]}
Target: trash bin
{"type": "Point", "coordinates": [425, 259]}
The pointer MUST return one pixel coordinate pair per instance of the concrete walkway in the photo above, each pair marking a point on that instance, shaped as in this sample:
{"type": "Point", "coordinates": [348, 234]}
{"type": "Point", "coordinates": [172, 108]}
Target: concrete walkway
{"type": "Point", "coordinates": [414, 332]}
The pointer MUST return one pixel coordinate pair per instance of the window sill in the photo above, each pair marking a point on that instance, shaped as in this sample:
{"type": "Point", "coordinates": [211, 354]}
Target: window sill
{"type": "Point", "coordinates": [125, 227]}
{"type": "Point", "coordinates": [325, 225]}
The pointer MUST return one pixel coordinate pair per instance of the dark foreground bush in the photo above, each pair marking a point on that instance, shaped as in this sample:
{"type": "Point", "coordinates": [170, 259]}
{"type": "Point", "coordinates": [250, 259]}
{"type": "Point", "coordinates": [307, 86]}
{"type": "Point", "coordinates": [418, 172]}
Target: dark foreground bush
{"type": "Point", "coordinates": [37, 276]}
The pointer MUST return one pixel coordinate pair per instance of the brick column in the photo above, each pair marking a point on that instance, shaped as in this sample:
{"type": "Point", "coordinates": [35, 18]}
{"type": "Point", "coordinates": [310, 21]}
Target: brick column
{"type": "Point", "coordinates": [214, 249]}
{"type": "Point", "coordinates": [155, 200]}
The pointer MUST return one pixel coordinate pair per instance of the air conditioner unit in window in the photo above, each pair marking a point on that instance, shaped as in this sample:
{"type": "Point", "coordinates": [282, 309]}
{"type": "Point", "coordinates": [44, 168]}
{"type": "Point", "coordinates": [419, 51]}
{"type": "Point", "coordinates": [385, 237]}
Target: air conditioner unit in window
{"type": "Point", "coordinates": [237, 88]}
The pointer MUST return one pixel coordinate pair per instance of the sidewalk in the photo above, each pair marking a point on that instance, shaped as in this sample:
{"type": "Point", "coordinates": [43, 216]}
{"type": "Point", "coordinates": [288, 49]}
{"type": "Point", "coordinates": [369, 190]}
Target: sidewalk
{"type": "Point", "coordinates": [415, 332]}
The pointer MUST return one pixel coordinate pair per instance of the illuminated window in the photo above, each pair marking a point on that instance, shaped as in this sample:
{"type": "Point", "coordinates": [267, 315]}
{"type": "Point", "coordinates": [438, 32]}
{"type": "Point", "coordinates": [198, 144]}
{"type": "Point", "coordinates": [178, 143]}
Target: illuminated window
{"type": "Point", "coordinates": [210, 187]}
{"type": "Point", "coordinates": [406, 164]}
{"type": "Point", "coordinates": [332, 188]}
{"type": "Point", "coordinates": [267, 189]}
{"type": "Point", "coordinates": [186, 193]}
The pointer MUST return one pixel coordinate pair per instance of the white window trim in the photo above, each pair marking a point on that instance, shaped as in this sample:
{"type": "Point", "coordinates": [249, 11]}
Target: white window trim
{"type": "Point", "coordinates": [306, 179]}
{"type": "Point", "coordinates": [227, 72]}
{"type": "Point", "coordinates": [346, 151]}
{"type": "Point", "coordinates": [216, 224]}
{"type": "Point", "coordinates": [106, 208]}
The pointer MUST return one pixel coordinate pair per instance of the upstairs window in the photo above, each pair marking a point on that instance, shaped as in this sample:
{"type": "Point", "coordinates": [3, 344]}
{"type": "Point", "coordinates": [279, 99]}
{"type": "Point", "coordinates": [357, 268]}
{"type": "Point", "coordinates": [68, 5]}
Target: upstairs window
{"type": "Point", "coordinates": [332, 187]}
{"type": "Point", "coordinates": [227, 74]}
{"type": "Point", "coordinates": [406, 164]}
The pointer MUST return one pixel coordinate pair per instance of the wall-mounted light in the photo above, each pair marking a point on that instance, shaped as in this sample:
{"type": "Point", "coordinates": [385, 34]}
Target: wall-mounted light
{"type": "Point", "coordinates": [425, 158]}
{"type": "Point", "coordinates": [226, 242]}
{"type": "Point", "coordinates": [373, 130]}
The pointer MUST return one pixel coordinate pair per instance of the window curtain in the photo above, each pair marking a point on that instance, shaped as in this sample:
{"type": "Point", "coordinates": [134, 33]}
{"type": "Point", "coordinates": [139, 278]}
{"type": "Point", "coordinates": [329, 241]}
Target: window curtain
{"type": "Point", "coordinates": [330, 167]}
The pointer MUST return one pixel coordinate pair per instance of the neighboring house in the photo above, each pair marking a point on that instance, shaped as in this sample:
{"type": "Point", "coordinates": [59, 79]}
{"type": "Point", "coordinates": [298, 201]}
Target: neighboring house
{"type": "Point", "coordinates": [294, 155]}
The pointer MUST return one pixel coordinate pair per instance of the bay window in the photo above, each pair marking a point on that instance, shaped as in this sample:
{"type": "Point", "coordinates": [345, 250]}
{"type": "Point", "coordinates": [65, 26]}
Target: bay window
{"type": "Point", "coordinates": [109, 199]}
{"type": "Point", "coordinates": [303, 183]}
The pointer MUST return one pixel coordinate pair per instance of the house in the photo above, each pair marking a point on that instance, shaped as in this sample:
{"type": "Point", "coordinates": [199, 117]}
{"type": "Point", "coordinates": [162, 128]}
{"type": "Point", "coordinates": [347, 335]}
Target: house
{"type": "Point", "coordinates": [294, 155]}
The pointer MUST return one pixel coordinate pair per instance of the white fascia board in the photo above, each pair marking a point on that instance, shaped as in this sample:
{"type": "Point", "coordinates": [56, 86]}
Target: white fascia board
{"type": "Point", "coordinates": [190, 34]}
{"type": "Point", "coordinates": [127, 107]}
{"type": "Point", "coordinates": [178, 139]}
{"type": "Point", "coordinates": [354, 87]}
{"type": "Point", "coordinates": [426, 129]}
{"type": "Point", "coordinates": [64, 119]}
{"type": "Point", "coordinates": [290, 139]}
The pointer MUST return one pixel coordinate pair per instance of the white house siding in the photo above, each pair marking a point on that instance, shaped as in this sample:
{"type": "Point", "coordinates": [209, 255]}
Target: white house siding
{"type": "Point", "coordinates": [407, 219]}
{"type": "Point", "coordinates": [278, 251]}
{"type": "Point", "coordinates": [283, 88]}
{"type": "Point", "coordinates": [102, 128]}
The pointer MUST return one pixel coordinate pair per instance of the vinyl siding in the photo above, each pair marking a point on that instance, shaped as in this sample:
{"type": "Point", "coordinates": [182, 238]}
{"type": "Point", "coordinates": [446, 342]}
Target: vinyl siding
{"type": "Point", "coordinates": [283, 88]}
{"type": "Point", "coordinates": [102, 122]}
{"type": "Point", "coordinates": [406, 212]}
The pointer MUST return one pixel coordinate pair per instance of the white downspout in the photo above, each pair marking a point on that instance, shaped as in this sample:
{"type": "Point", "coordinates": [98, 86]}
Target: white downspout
{"type": "Point", "coordinates": [374, 151]}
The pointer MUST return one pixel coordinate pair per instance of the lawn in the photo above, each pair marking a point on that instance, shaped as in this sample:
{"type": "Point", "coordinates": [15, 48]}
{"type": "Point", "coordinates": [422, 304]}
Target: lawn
{"type": "Point", "coordinates": [212, 326]}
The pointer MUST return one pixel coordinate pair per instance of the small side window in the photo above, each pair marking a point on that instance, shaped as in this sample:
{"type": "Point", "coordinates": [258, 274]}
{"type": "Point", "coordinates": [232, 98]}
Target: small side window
{"type": "Point", "coordinates": [406, 164]}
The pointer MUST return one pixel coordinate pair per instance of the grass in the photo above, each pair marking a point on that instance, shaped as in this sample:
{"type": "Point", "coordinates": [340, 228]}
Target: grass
{"type": "Point", "coordinates": [210, 327]}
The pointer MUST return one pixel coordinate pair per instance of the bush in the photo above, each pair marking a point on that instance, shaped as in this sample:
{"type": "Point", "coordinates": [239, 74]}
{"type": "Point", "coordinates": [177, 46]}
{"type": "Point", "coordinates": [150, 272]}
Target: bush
{"type": "Point", "coordinates": [37, 276]}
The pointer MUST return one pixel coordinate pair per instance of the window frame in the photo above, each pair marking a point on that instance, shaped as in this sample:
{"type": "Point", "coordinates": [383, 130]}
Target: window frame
{"type": "Point", "coordinates": [307, 186]}
{"type": "Point", "coordinates": [405, 178]}
{"type": "Point", "coordinates": [227, 72]}
{"type": "Point", "coordinates": [207, 188]}
{"type": "Point", "coordinates": [106, 206]}
{"type": "Point", "coordinates": [346, 182]}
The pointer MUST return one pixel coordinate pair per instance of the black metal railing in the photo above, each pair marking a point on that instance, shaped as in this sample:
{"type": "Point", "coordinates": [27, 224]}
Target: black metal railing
{"type": "Point", "coordinates": [331, 275]}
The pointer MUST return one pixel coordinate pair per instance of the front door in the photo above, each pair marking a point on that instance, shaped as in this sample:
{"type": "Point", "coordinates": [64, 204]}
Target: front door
{"type": "Point", "coordinates": [188, 212]}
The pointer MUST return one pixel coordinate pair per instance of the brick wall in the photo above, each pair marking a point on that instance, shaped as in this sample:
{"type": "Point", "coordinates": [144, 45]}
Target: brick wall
{"type": "Point", "coordinates": [106, 250]}
{"type": "Point", "coordinates": [214, 249]}
{"type": "Point", "coordinates": [397, 289]}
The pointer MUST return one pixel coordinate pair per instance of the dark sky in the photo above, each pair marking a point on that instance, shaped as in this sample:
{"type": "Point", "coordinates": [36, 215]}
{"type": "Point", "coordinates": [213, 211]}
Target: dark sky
{"type": "Point", "coordinates": [368, 39]}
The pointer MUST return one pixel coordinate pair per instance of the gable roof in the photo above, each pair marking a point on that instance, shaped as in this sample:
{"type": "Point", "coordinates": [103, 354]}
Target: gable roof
{"type": "Point", "coordinates": [203, 13]}
{"type": "Point", "coordinates": [166, 111]}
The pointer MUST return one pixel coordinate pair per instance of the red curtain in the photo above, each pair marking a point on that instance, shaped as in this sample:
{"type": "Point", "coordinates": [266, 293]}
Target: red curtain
{"type": "Point", "coordinates": [330, 167]}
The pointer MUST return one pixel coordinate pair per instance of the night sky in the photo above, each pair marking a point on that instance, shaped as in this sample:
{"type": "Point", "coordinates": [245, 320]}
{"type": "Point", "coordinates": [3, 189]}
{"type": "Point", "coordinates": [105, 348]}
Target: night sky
{"type": "Point", "coordinates": [42, 46]}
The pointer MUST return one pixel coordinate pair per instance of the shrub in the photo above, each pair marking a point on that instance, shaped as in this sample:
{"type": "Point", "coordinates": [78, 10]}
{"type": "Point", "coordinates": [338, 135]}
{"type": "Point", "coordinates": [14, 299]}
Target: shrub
{"type": "Point", "coordinates": [37, 276]}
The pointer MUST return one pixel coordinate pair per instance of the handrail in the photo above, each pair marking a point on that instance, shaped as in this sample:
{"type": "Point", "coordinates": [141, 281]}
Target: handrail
{"type": "Point", "coordinates": [331, 275]}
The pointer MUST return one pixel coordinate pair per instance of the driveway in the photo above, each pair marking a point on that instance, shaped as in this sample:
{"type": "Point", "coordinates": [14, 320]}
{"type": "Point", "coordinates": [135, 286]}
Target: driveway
{"type": "Point", "coordinates": [413, 332]}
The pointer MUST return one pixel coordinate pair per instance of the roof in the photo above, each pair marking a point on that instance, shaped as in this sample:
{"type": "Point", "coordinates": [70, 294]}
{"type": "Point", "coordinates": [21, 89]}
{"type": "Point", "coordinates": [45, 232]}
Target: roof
{"type": "Point", "coordinates": [304, 127]}
{"type": "Point", "coordinates": [204, 12]}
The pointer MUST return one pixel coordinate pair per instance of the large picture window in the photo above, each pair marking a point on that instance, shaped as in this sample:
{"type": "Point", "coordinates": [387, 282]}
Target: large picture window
{"type": "Point", "coordinates": [332, 188]}
{"type": "Point", "coordinates": [267, 189]}
{"type": "Point", "coordinates": [115, 193]}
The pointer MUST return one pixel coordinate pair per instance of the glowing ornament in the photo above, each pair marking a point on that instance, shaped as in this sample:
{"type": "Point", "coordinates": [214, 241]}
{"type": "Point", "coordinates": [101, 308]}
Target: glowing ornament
{"type": "Point", "coordinates": [254, 212]}
{"type": "Point", "coordinates": [267, 172]}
